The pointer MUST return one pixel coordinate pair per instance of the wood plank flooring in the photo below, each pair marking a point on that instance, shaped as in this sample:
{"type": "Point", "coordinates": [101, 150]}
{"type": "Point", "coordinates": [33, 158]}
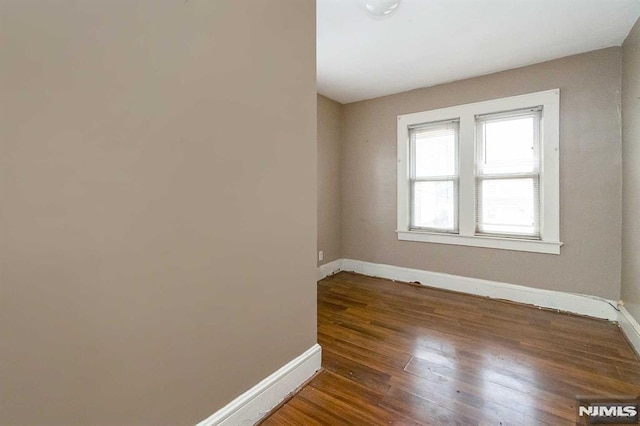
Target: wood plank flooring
{"type": "Point", "coordinates": [396, 353]}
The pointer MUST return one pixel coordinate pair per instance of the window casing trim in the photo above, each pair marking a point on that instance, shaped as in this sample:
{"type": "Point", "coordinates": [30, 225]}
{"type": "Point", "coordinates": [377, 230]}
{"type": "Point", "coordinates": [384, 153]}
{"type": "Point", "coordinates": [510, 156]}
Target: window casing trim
{"type": "Point", "coordinates": [549, 241]}
{"type": "Point", "coordinates": [535, 246]}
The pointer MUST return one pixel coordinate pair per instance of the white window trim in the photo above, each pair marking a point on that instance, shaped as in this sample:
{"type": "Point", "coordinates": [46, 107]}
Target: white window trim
{"type": "Point", "coordinates": [549, 174]}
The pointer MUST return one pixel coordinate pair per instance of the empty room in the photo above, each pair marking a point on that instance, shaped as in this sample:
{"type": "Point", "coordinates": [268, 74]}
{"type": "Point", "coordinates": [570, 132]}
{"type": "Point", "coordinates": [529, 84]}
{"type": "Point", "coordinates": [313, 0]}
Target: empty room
{"type": "Point", "coordinates": [331, 212]}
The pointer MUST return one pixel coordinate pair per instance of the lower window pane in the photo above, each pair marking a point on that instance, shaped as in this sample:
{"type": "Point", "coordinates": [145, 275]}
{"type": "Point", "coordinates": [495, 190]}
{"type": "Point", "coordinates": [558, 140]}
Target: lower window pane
{"type": "Point", "coordinates": [434, 205]}
{"type": "Point", "coordinates": [508, 206]}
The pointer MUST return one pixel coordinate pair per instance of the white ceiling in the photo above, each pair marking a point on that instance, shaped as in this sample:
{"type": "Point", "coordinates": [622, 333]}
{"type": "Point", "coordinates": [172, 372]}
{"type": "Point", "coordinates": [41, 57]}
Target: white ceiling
{"type": "Point", "coordinates": [428, 42]}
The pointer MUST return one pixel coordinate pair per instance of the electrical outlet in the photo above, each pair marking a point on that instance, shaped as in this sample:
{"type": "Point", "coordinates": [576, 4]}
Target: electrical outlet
{"type": "Point", "coordinates": [320, 256]}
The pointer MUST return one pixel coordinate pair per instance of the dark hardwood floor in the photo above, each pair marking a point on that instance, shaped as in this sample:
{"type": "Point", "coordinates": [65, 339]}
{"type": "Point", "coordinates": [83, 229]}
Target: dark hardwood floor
{"type": "Point", "coordinates": [396, 353]}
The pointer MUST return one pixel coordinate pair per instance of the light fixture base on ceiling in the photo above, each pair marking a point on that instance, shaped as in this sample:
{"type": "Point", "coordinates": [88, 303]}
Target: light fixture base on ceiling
{"type": "Point", "coordinates": [381, 8]}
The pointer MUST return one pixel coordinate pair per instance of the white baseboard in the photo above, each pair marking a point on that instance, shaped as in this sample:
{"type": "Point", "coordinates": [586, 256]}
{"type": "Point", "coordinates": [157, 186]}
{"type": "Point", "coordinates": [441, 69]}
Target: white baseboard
{"type": "Point", "coordinates": [254, 404]}
{"type": "Point", "coordinates": [567, 302]}
{"type": "Point", "coordinates": [630, 328]}
{"type": "Point", "coordinates": [329, 269]}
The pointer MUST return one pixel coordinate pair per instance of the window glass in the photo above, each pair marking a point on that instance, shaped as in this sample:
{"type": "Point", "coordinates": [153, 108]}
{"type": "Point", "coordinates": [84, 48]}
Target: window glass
{"type": "Point", "coordinates": [508, 206]}
{"type": "Point", "coordinates": [435, 152]}
{"type": "Point", "coordinates": [434, 205]}
{"type": "Point", "coordinates": [509, 145]}
{"type": "Point", "coordinates": [434, 179]}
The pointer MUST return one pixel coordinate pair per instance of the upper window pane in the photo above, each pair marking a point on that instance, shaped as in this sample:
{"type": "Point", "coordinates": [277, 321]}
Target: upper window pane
{"type": "Point", "coordinates": [434, 147]}
{"type": "Point", "coordinates": [509, 144]}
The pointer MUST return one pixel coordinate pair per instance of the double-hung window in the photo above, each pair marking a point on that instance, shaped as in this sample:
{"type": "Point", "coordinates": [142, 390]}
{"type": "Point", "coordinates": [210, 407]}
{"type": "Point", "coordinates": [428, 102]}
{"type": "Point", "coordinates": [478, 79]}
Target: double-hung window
{"type": "Point", "coordinates": [434, 176]}
{"type": "Point", "coordinates": [508, 173]}
{"type": "Point", "coordinates": [484, 174]}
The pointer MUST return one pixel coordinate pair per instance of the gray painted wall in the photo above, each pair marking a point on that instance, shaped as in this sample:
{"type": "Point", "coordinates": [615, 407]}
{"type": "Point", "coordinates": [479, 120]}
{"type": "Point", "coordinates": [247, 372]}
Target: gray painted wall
{"type": "Point", "coordinates": [631, 172]}
{"type": "Point", "coordinates": [590, 167]}
{"type": "Point", "coordinates": [152, 266]}
{"type": "Point", "coordinates": [329, 178]}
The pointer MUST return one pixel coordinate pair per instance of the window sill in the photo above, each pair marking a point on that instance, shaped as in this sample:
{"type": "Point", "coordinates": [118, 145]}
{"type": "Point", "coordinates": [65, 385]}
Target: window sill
{"type": "Point", "coordinates": [535, 246]}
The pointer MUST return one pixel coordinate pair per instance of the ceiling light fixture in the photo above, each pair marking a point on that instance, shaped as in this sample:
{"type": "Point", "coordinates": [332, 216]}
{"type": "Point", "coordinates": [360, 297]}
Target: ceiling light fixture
{"type": "Point", "coordinates": [381, 8]}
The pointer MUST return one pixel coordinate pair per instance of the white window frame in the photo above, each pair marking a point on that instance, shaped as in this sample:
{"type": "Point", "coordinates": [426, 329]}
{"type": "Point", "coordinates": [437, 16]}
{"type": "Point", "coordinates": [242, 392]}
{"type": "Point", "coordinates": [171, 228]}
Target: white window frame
{"type": "Point", "coordinates": [536, 114]}
{"type": "Point", "coordinates": [549, 241]}
{"type": "Point", "coordinates": [413, 179]}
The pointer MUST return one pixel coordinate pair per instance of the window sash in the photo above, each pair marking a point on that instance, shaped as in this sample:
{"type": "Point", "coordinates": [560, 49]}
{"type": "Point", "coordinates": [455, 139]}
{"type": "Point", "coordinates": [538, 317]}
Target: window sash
{"type": "Point", "coordinates": [480, 221]}
{"type": "Point", "coordinates": [481, 175]}
{"type": "Point", "coordinates": [449, 124]}
{"type": "Point", "coordinates": [414, 227]}
{"type": "Point", "coordinates": [481, 120]}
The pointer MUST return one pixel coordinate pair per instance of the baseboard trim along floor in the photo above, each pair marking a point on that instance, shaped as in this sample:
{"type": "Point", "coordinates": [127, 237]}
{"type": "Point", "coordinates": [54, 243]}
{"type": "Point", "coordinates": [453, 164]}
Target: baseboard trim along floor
{"type": "Point", "coordinates": [579, 304]}
{"type": "Point", "coordinates": [251, 406]}
{"type": "Point", "coordinates": [630, 328]}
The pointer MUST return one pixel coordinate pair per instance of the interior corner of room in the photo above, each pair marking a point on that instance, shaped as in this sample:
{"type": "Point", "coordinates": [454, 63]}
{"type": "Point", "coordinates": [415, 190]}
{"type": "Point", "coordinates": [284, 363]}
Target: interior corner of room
{"type": "Point", "coordinates": [598, 189]}
{"type": "Point", "coordinates": [595, 272]}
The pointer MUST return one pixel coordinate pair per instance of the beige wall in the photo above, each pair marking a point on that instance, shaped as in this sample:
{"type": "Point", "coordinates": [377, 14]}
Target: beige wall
{"type": "Point", "coordinates": [329, 178]}
{"type": "Point", "coordinates": [590, 222]}
{"type": "Point", "coordinates": [631, 171]}
{"type": "Point", "coordinates": [152, 266]}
